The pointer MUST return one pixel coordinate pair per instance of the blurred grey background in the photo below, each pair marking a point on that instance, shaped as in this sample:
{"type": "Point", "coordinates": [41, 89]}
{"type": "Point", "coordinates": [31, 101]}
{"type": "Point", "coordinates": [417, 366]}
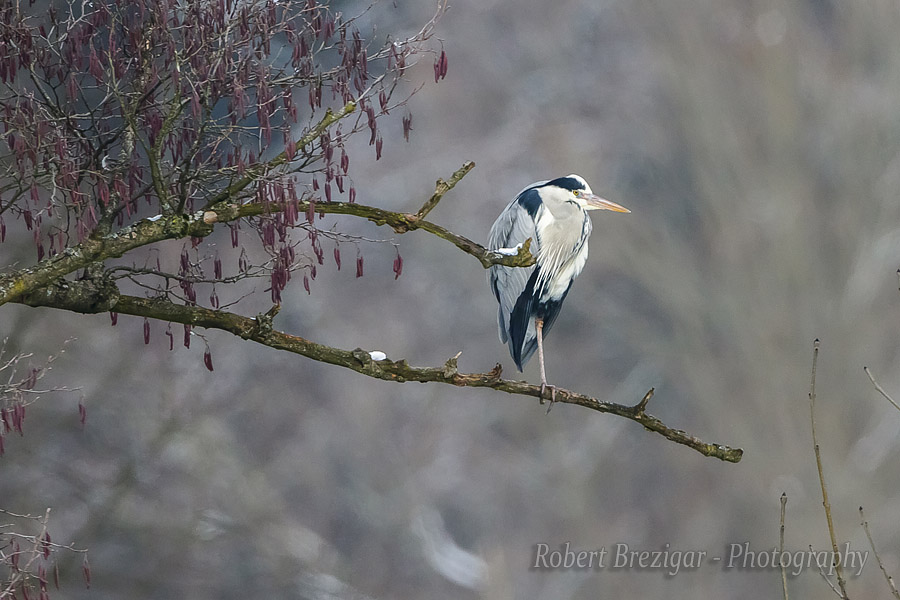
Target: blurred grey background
{"type": "Point", "coordinates": [756, 143]}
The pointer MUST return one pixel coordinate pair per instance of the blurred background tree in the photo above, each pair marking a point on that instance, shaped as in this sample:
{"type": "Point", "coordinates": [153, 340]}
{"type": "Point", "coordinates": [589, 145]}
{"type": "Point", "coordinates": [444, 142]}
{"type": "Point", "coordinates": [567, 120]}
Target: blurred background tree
{"type": "Point", "coordinates": [757, 145]}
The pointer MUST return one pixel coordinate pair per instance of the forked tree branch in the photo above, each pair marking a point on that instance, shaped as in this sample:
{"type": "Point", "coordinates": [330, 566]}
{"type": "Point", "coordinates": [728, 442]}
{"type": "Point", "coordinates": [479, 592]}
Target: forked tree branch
{"type": "Point", "coordinates": [19, 283]}
{"type": "Point", "coordinates": [90, 296]}
{"type": "Point", "coordinates": [401, 222]}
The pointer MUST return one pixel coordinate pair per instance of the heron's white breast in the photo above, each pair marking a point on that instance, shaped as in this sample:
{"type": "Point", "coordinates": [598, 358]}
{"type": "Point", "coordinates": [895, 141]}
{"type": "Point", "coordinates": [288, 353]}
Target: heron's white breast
{"type": "Point", "coordinates": [563, 249]}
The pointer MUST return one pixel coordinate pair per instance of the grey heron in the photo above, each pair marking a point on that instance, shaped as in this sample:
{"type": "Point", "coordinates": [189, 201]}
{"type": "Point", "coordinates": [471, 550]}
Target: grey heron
{"type": "Point", "coordinates": [553, 214]}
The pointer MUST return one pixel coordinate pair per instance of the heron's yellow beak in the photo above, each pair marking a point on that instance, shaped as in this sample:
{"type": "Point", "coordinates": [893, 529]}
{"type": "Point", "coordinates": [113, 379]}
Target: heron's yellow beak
{"type": "Point", "coordinates": [597, 203]}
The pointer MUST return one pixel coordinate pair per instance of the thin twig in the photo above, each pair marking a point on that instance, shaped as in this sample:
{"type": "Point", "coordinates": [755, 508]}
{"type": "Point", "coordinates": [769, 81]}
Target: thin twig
{"type": "Point", "coordinates": [781, 548]}
{"type": "Point", "coordinates": [836, 557]}
{"type": "Point", "coordinates": [825, 576]}
{"type": "Point", "coordinates": [257, 172]}
{"type": "Point", "coordinates": [888, 578]}
{"type": "Point", "coordinates": [880, 390]}
{"type": "Point", "coordinates": [40, 549]}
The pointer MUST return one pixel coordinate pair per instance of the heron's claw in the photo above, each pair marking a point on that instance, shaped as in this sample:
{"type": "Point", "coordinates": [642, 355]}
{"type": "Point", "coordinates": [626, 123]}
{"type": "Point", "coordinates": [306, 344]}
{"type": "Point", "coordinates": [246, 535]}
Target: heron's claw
{"type": "Point", "coordinates": [544, 387]}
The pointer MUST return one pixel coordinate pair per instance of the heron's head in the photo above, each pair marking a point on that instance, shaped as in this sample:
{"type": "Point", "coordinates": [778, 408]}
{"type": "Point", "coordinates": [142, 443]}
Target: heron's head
{"type": "Point", "coordinates": [573, 188]}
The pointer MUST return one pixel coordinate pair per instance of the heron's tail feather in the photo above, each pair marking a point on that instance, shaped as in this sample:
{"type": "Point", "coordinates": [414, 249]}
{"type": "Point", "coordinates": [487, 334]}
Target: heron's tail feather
{"type": "Point", "coordinates": [522, 338]}
{"type": "Point", "coordinates": [502, 322]}
{"type": "Point", "coordinates": [525, 354]}
{"type": "Point", "coordinates": [522, 332]}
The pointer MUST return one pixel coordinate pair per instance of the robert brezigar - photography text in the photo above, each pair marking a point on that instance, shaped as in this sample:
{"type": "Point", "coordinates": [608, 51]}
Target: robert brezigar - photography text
{"type": "Point", "coordinates": [671, 561]}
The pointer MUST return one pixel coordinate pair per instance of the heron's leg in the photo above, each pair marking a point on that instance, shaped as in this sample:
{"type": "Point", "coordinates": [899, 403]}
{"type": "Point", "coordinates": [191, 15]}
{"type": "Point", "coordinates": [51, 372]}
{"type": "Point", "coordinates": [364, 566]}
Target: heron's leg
{"type": "Point", "coordinates": [539, 327]}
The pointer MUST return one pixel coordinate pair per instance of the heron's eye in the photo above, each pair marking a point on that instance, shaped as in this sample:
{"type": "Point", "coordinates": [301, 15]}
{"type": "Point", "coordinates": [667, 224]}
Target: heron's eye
{"type": "Point", "coordinates": [576, 192]}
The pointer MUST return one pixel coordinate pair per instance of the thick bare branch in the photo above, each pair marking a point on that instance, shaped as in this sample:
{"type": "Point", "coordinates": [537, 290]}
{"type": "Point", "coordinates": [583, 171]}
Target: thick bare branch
{"type": "Point", "coordinates": [20, 282]}
{"type": "Point", "coordinates": [94, 297]}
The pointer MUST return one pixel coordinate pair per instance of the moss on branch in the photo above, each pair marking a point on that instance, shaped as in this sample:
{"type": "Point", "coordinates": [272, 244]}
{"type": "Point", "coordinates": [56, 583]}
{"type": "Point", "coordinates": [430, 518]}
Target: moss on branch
{"type": "Point", "coordinates": [21, 282]}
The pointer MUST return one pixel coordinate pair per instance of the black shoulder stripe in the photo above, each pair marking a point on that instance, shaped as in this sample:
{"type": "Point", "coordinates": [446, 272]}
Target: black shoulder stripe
{"type": "Point", "coordinates": [530, 200]}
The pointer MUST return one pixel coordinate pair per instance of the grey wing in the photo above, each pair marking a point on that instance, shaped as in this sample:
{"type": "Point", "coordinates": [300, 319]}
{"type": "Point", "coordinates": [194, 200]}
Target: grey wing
{"type": "Point", "coordinates": [512, 227]}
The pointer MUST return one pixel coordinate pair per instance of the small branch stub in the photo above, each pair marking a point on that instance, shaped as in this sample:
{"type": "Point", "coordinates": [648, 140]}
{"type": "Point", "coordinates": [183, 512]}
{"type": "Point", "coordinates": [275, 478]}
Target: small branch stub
{"type": "Point", "coordinates": [642, 405]}
{"type": "Point", "coordinates": [264, 320]}
{"type": "Point", "coordinates": [441, 187]}
{"type": "Point", "coordinates": [450, 367]}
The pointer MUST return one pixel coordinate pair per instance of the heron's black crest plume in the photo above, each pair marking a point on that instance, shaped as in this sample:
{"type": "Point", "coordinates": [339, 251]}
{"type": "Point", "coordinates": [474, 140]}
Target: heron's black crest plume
{"type": "Point", "coordinates": [567, 183]}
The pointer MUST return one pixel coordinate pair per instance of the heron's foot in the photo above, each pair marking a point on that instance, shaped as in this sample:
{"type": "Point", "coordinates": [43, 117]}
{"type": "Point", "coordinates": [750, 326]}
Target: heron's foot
{"type": "Point", "coordinates": [545, 387]}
